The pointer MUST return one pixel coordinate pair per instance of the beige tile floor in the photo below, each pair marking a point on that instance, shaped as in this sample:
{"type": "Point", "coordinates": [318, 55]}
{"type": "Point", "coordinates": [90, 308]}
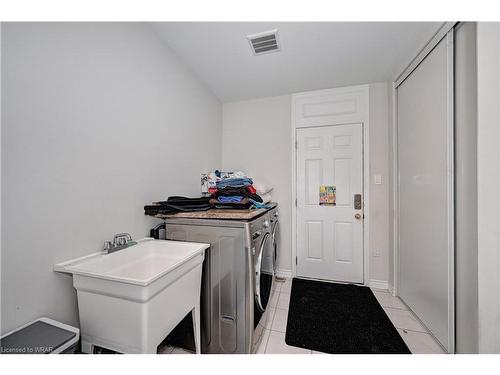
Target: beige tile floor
{"type": "Point", "coordinates": [416, 337]}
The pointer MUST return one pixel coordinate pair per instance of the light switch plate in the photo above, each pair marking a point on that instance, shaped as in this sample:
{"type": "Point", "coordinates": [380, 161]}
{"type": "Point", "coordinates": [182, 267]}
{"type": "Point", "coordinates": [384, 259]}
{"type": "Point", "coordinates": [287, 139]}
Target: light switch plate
{"type": "Point", "coordinates": [378, 179]}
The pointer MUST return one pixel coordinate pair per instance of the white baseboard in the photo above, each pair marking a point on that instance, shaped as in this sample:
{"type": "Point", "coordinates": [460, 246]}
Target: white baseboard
{"type": "Point", "coordinates": [391, 290]}
{"type": "Point", "coordinates": [283, 273]}
{"type": "Point", "coordinates": [373, 283]}
{"type": "Point", "coordinates": [379, 284]}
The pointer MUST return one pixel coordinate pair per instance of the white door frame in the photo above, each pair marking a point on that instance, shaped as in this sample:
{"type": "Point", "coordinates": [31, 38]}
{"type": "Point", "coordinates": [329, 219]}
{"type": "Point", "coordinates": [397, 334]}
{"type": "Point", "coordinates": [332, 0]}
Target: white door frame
{"type": "Point", "coordinates": [337, 106]}
{"type": "Point", "coordinates": [445, 32]}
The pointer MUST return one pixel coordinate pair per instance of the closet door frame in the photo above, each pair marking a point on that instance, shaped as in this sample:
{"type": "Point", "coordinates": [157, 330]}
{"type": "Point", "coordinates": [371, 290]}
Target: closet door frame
{"type": "Point", "coordinates": [445, 32]}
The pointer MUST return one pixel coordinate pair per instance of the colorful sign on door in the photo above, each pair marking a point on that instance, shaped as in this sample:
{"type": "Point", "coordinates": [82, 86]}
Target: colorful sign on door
{"type": "Point", "coordinates": [327, 195]}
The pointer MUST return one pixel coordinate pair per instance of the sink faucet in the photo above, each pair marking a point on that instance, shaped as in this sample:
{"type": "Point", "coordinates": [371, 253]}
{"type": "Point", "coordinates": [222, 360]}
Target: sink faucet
{"type": "Point", "coordinates": [120, 241]}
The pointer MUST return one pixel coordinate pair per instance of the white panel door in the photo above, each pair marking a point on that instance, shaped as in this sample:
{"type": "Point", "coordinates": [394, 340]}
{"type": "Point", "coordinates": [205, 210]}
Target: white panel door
{"type": "Point", "coordinates": [330, 238]}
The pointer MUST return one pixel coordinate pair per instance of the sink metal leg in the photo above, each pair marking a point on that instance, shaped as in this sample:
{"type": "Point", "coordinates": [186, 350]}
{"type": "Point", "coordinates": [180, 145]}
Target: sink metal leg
{"type": "Point", "coordinates": [196, 328]}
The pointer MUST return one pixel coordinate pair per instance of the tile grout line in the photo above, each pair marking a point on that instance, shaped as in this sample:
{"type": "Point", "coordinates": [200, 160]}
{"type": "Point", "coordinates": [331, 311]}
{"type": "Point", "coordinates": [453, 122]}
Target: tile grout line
{"type": "Point", "coordinates": [391, 307]}
{"type": "Point", "coordinates": [412, 330]}
{"type": "Point", "coordinates": [274, 330]}
{"type": "Point", "coordinates": [267, 341]}
{"type": "Point", "coordinates": [409, 312]}
{"type": "Point", "coordinates": [277, 290]}
{"type": "Point", "coordinates": [394, 308]}
{"type": "Point", "coordinates": [272, 323]}
{"type": "Point", "coordinates": [272, 318]}
{"type": "Point", "coordinates": [425, 331]}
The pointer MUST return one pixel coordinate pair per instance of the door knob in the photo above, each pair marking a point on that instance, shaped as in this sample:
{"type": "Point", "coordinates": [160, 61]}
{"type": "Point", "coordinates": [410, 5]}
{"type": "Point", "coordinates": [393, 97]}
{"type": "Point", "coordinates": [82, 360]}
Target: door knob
{"type": "Point", "coordinates": [358, 216]}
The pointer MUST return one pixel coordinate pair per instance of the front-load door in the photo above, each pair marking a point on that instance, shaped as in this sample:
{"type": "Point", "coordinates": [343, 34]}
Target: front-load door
{"type": "Point", "coordinates": [275, 239]}
{"type": "Point", "coordinates": [264, 273]}
{"type": "Point", "coordinates": [330, 230]}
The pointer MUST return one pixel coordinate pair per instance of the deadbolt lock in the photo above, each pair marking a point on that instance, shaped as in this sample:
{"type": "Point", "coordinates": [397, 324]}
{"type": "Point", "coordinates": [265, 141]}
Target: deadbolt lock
{"type": "Point", "coordinates": [357, 202]}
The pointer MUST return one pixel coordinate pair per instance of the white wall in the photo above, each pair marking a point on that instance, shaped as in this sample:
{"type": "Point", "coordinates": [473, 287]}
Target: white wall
{"type": "Point", "coordinates": [488, 190]}
{"type": "Point", "coordinates": [379, 194]}
{"type": "Point", "coordinates": [98, 119]}
{"type": "Point", "coordinates": [257, 139]}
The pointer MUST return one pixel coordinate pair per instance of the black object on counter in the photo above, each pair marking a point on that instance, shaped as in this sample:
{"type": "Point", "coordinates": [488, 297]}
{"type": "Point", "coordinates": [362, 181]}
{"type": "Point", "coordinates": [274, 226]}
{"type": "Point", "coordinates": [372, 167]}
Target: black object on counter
{"type": "Point", "coordinates": [178, 204]}
{"type": "Point", "coordinates": [155, 232]}
{"type": "Point", "coordinates": [237, 191]}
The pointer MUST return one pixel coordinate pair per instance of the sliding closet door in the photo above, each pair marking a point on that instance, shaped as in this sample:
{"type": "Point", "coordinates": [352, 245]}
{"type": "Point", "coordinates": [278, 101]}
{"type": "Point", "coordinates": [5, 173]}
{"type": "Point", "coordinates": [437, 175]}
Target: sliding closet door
{"type": "Point", "coordinates": [425, 279]}
{"type": "Point", "coordinates": [466, 262]}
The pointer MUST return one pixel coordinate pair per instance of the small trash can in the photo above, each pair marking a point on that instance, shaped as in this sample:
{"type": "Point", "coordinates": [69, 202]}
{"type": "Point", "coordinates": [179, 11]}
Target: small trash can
{"type": "Point", "coordinates": [42, 336]}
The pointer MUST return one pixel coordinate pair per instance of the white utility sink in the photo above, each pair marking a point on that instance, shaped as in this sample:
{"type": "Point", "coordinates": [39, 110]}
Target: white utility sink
{"type": "Point", "coordinates": [130, 300]}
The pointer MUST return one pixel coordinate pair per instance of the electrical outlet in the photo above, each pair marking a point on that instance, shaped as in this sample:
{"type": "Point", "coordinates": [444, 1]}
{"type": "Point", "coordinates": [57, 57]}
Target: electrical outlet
{"type": "Point", "coordinates": [376, 253]}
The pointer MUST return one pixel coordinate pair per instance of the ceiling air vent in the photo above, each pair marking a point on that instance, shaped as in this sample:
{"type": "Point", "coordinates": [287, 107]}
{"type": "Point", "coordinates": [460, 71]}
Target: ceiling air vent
{"type": "Point", "coordinates": [265, 42]}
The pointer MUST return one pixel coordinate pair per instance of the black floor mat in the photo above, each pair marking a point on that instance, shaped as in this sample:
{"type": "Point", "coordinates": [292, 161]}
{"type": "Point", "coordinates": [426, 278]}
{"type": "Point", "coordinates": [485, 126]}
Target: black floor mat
{"type": "Point", "coordinates": [340, 319]}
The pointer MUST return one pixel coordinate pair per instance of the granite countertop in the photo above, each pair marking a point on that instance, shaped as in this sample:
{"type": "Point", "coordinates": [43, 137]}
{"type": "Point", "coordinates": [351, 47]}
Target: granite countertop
{"type": "Point", "coordinates": [218, 214]}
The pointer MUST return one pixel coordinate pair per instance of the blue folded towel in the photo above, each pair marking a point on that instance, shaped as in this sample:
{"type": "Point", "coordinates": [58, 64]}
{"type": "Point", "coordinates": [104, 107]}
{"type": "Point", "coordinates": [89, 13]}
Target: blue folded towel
{"type": "Point", "coordinates": [258, 205]}
{"type": "Point", "coordinates": [230, 199]}
{"type": "Point", "coordinates": [234, 182]}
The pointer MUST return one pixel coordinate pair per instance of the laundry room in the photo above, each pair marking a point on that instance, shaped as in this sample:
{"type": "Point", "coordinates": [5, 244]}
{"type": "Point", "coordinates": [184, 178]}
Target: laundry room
{"type": "Point", "coordinates": [261, 187]}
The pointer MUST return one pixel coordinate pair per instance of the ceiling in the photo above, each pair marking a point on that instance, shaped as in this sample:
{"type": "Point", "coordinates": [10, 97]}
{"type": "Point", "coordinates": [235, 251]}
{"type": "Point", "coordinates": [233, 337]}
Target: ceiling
{"type": "Point", "coordinates": [314, 55]}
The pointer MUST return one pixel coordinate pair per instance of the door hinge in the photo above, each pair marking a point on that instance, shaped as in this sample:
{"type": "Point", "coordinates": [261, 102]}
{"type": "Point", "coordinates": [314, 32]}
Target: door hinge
{"type": "Point", "coordinates": [296, 145]}
{"type": "Point", "coordinates": [296, 260]}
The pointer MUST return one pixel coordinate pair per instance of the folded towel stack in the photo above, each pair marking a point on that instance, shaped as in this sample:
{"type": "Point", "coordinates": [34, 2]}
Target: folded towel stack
{"type": "Point", "coordinates": [233, 190]}
{"type": "Point", "coordinates": [229, 190]}
{"type": "Point", "coordinates": [234, 182]}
